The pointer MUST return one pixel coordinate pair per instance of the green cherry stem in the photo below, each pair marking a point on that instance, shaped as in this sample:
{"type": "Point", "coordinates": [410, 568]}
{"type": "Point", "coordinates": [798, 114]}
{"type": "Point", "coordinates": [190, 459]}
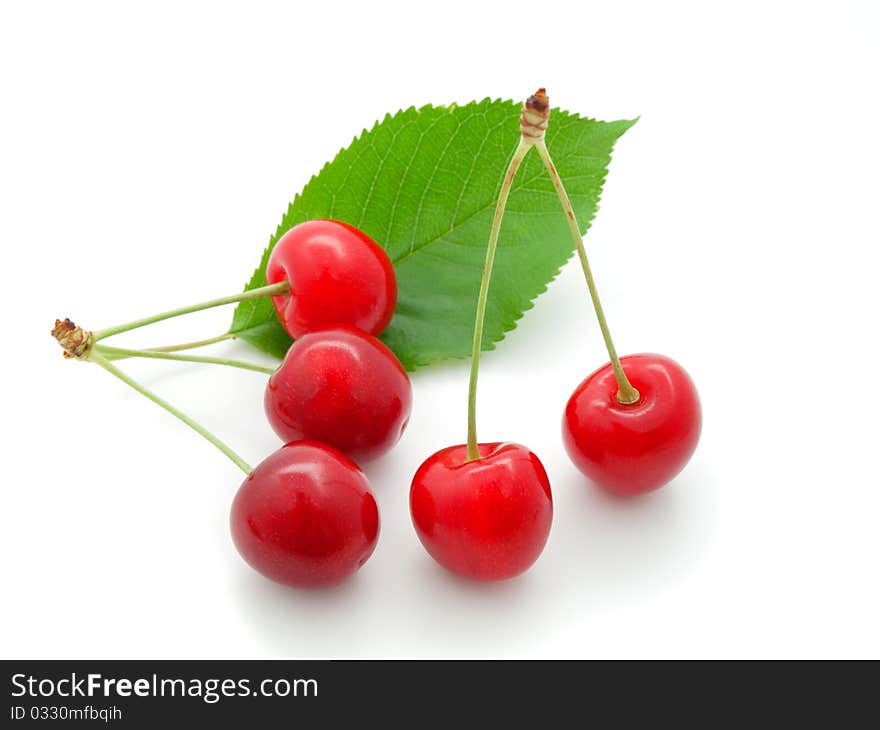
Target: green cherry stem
{"type": "Point", "coordinates": [194, 345]}
{"type": "Point", "coordinates": [99, 359]}
{"type": "Point", "coordinates": [473, 451]}
{"type": "Point", "coordinates": [271, 290]}
{"type": "Point", "coordinates": [116, 353]}
{"type": "Point", "coordinates": [183, 346]}
{"type": "Point", "coordinates": [626, 393]}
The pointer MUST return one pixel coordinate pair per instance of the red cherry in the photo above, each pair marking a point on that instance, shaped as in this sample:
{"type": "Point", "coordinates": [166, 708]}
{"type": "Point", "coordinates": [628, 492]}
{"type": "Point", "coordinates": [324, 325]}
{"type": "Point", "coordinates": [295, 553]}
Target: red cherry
{"type": "Point", "coordinates": [632, 449]}
{"type": "Point", "coordinates": [342, 387]}
{"type": "Point", "coordinates": [338, 276]}
{"type": "Point", "coordinates": [305, 516]}
{"type": "Point", "coordinates": [486, 519]}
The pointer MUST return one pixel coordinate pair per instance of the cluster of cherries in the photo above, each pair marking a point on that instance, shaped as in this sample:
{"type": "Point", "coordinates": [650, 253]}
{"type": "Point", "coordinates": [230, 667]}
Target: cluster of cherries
{"type": "Point", "coordinates": [306, 516]}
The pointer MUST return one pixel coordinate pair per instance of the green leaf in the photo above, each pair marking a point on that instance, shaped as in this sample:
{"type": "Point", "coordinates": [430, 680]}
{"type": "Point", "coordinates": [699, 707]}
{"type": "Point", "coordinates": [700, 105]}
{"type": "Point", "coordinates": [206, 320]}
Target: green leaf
{"type": "Point", "coordinates": [423, 184]}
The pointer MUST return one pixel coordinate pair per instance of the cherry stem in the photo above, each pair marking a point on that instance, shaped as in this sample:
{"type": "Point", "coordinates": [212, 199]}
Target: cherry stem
{"type": "Point", "coordinates": [99, 359]}
{"type": "Point", "coordinates": [626, 393]}
{"type": "Point", "coordinates": [473, 451]}
{"type": "Point", "coordinates": [279, 289]}
{"type": "Point", "coordinates": [115, 353]}
{"type": "Point", "coordinates": [194, 345]}
{"type": "Point", "coordinates": [182, 346]}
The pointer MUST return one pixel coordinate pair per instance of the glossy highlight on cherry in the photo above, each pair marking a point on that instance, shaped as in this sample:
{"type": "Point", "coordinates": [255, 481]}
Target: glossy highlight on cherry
{"type": "Point", "coordinates": [632, 449]}
{"type": "Point", "coordinates": [305, 516]}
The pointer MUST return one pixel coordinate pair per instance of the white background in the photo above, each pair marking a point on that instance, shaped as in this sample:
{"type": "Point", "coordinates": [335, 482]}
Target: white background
{"type": "Point", "coordinates": [148, 151]}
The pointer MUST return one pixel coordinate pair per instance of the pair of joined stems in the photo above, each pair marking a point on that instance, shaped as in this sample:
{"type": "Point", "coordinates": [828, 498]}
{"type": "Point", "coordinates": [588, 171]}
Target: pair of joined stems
{"type": "Point", "coordinates": [626, 393]}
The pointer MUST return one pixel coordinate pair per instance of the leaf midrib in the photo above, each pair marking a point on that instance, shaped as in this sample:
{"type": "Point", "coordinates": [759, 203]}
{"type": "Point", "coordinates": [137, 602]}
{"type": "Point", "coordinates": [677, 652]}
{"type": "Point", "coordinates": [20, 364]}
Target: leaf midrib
{"type": "Point", "coordinates": [460, 224]}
